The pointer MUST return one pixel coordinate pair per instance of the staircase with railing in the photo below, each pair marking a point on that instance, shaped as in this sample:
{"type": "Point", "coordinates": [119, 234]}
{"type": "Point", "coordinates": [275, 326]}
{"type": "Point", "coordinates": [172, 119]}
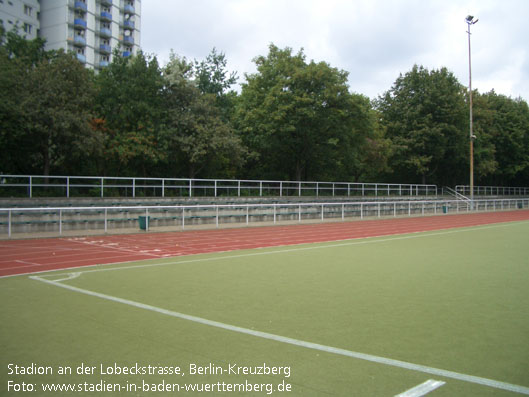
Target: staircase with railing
{"type": "Point", "coordinates": [454, 193]}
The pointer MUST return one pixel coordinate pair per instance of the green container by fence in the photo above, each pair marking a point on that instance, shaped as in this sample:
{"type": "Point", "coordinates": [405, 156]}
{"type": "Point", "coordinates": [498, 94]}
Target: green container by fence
{"type": "Point", "coordinates": [143, 221]}
{"type": "Point", "coordinates": [445, 209]}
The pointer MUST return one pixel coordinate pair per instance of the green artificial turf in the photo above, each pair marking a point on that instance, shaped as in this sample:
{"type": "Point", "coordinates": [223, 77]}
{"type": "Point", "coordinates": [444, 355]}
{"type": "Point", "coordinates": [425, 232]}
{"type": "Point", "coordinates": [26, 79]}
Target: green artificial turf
{"type": "Point", "coordinates": [453, 300]}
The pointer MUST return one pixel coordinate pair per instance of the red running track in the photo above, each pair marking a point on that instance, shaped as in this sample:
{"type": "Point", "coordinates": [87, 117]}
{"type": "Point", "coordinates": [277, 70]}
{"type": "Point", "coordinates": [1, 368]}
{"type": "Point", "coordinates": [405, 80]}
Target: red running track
{"type": "Point", "coordinates": [38, 255]}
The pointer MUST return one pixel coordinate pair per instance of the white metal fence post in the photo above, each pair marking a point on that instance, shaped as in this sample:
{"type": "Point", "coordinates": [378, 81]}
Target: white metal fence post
{"type": "Point", "coordinates": [299, 212]}
{"type": "Point", "coordinates": [183, 217]}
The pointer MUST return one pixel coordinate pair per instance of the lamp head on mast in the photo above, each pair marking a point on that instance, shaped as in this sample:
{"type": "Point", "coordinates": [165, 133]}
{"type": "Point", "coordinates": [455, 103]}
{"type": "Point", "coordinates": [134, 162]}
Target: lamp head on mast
{"type": "Point", "coordinates": [470, 20]}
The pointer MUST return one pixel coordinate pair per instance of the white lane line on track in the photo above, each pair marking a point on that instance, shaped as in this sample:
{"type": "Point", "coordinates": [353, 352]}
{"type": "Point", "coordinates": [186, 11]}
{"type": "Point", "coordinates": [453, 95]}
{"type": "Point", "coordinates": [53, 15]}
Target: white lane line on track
{"type": "Point", "coordinates": [112, 246]}
{"type": "Point", "coordinates": [296, 342]}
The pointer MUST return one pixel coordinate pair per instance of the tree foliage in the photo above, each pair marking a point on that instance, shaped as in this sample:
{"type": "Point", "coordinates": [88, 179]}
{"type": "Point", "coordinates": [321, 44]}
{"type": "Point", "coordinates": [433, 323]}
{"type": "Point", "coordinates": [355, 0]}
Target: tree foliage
{"type": "Point", "coordinates": [502, 130]}
{"type": "Point", "coordinates": [130, 101]}
{"type": "Point", "coordinates": [46, 108]}
{"type": "Point", "coordinates": [293, 119]}
{"type": "Point", "coordinates": [298, 118]}
{"type": "Point", "coordinates": [196, 137]}
{"type": "Point", "coordinates": [424, 116]}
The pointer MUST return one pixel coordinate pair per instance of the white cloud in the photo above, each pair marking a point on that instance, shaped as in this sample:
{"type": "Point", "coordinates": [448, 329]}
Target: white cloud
{"type": "Point", "coordinates": [374, 40]}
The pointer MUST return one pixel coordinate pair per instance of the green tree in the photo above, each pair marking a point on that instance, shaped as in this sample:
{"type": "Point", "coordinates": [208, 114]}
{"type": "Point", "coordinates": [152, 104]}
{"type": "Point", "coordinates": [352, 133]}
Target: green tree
{"type": "Point", "coordinates": [130, 102]}
{"type": "Point", "coordinates": [376, 152]}
{"type": "Point", "coordinates": [424, 115]}
{"type": "Point", "coordinates": [485, 163]}
{"type": "Point", "coordinates": [16, 46]}
{"type": "Point", "coordinates": [298, 118]}
{"type": "Point", "coordinates": [59, 108]}
{"type": "Point", "coordinates": [196, 137]}
{"type": "Point", "coordinates": [212, 77]}
{"type": "Point", "coordinates": [13, 140]}
{"type": "Point", "coordinates": [46, 108]}
{"type": "Point", "coordinates": [502, 128]}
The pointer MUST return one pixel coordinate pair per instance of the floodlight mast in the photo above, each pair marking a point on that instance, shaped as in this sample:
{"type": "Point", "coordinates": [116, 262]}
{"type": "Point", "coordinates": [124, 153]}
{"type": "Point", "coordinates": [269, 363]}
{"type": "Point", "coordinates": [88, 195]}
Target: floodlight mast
{"type": "Point", "coordinates": [470, 21]}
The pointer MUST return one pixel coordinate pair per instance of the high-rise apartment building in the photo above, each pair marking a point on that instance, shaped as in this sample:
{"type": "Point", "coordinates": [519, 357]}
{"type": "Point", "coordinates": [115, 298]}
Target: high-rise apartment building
{"type": "Point", "coordinates": [92, 29]}
{"type": "Point", "coordinates": [21, 14]}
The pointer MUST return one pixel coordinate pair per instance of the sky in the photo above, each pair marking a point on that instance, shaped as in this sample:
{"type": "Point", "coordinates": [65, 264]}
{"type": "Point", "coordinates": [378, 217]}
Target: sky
{"type": "Point", "coordinates": [373, 40]}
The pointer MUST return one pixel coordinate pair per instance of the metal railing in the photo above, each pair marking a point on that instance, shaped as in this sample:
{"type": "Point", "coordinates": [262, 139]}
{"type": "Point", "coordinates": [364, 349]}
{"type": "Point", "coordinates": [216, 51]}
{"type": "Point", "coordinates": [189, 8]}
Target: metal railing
{"type": "Point", "coordinates": [86, 186]}
{"type": "Point", "coordinates": [454, 193]}
{"type": "Point", "coordinates": [57, 220]}
{"type": "Point", "coordinates": [493, 190]}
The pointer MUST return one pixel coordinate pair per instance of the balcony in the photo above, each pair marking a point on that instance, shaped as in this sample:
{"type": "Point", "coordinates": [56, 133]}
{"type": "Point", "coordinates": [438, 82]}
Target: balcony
{"type": "Point", "coordinates": [103, 64]}
{"type": "Point", "coordinates": [128, 9]}
{"type": "Point", "coordinates": [106, 2]}
{"type": "Point", "coordinates": [106, 32]}
{"type": "Point", "coordinates": [128, 39]}
{"type": "Point", "coordinates": [79, 23]}
{"type": "Point", "coordinates": [81, 58]}
{"type": "Point", "coordinates": [105, 48]}
{"type": "Point", "coordinates": [80, 5]}
{"type": "Point", "coordinates": [106, 16]}
{"type": "Point", "coordinates": [127, 54]}
{"type": "Point", "coordinates": [79, 41]}
{"type": "Point", "coordinates": [128, 24]}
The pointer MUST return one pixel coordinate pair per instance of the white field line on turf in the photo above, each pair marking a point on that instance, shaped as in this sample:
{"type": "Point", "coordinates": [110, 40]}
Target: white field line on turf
{"type": "Point", "coordinates": [298, 248]}
{"type": "Point", "coordinates": [71, 276]}
{"type": "Point", "coordinates": [296, 342]}
{"type": "Point", "coordinates": [422, 389]}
